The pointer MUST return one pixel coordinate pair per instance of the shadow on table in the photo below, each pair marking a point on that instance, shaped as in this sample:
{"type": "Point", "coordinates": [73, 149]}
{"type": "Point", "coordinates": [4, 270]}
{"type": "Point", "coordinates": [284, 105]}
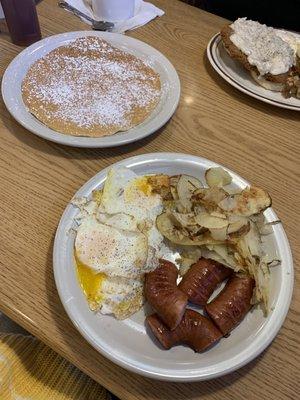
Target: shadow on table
{"type": "Point", "coordinates": [246, 99]}
{"type": "Point", "coordinates": [77, 153]}
{"type": "Point", "coordinates": [136, 385]}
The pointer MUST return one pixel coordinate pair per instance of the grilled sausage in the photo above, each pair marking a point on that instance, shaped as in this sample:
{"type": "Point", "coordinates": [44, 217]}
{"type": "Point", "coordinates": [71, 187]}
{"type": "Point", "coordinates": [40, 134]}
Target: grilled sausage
{"type": "Point", "coordinates": [196, 331]}
{"type": "Point", "coordinates": [232, 304]}
{"type": "Point", "coordinates": [162, 293]}
{"type": "Point", "coordinates": [201, 280]}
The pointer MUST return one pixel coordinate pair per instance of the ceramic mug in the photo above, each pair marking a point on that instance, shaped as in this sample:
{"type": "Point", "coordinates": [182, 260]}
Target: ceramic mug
{"type": "Point", "coordinates": [1, 12]}
{"type": "Point", "coordinates": [113, 10]}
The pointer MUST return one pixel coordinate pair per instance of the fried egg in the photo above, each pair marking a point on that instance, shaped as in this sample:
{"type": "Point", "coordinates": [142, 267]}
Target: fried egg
{"type": "Point", "coordinates": [125, 192]}
{"type": "Point", "coordinates": [111, 250]}
{"type": "Point", "coordinates": [117, 242]}
{"type": "Point", "coordinates": [114, 295]}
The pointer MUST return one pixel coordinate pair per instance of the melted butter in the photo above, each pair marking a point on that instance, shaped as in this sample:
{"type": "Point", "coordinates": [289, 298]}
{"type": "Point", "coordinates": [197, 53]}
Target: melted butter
{"type": "Point", "coordinates": [90, 282]}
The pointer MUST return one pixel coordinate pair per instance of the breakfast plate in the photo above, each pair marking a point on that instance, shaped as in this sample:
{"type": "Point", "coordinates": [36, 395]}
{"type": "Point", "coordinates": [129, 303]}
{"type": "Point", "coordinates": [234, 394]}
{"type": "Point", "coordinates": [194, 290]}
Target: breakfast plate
{"type": "Point", "coordinates": [18, 68]}
{"type": "Point", "coordinates": [237, 76]}
{"type": "Point", "coordinates": [126, 342]}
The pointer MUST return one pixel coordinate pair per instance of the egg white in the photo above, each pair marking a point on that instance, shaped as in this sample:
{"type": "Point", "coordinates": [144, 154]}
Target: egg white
{"type": "Point", "coordinates": [117, 242]}
{"type": "Point", "coordinates": [126, 192]}
{"type": "Point", "coordinates": [110, 250]}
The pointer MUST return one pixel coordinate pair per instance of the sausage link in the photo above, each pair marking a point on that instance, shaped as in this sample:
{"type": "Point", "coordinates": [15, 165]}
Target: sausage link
{"type": "Point", "coordinates": [232, 304]}
{"type": "Point", "coordinates": [163, 295]}
{"type": "Point", "coordinates": [196, 331]}
{"type": "Point", "coordinates": [202, 278]}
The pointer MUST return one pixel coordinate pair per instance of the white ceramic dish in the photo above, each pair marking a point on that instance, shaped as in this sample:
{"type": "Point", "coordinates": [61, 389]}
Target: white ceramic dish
{"type": "Point", "coordinates": [234, 73]}
{"type": "Point", "coordinates": [126, 342]}
{"type": "Point", "coordinates": [16, 71]}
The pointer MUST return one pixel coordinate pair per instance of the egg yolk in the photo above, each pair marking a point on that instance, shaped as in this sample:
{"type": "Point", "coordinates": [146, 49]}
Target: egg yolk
{"type": "Point", "coordinates": [89, 281]}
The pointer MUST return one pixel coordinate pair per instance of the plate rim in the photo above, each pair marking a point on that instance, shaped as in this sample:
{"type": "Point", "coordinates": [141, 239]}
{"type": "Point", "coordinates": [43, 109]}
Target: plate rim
{"type": "Point", "coordinates": [82, 141]}
{"type": "Point", "coordinates": [182, 376]}
{"type": "Point", "coordinates": [213, 59]}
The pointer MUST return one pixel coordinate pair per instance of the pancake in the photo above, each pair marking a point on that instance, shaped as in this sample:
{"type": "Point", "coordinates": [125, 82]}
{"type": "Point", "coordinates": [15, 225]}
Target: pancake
{"type": "Point", "coordinates": [90, 88]}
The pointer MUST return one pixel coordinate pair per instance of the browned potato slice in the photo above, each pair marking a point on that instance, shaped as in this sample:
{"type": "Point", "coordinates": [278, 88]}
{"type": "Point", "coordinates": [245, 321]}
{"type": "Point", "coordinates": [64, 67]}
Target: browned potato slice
{"type": "Point", "coordinates": [161, 184]}
{"type": "Point", "coordinates": [211, 222]}
{"type": "Point", "coordinates": [186, 186]}
{"type": "Point", "coordinates": [217, 176]}
{"type": "Point", "coordinates": [251, 200]}
{"type": "Point", "coordinates": [209, 198]}
{"type": "Point", "coordinates": [167, 228]}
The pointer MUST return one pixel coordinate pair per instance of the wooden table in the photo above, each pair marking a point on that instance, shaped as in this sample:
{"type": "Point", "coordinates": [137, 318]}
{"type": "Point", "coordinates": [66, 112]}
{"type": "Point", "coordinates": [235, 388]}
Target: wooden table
{"type": "Point", "coordinates": [38, 178]}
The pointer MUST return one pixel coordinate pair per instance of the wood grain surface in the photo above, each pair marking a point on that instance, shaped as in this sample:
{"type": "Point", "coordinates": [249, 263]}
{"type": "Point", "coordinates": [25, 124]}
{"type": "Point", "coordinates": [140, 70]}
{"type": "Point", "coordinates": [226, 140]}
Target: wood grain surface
{"type": "Point", "coordinates": [213, 120]}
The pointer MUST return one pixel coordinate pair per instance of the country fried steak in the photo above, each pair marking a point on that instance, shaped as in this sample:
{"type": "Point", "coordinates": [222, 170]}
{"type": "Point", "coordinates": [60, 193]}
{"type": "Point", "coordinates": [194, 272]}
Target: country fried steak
{"type": "Point", "coordinates": [288, 82]}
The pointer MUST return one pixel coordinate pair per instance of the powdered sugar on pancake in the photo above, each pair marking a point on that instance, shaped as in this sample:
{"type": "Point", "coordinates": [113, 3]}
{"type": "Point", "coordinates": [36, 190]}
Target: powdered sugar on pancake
{"type": "Point", "coordinates": [90, 88]}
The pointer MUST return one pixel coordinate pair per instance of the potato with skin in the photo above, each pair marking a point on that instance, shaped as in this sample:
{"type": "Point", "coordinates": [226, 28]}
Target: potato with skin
{"type": "Point", "coordinates": [196, 331]}
{"type": "Point", "coordinates": [163, 295]}
{"type": "Point", "coordinates": [217, 176]}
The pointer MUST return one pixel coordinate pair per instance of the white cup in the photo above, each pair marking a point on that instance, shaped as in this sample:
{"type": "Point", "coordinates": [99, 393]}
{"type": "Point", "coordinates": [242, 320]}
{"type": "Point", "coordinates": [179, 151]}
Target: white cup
{"type": "Point", "coordinates": [113, 10]}
{"type": "Point", "coordinates": [1, 12]}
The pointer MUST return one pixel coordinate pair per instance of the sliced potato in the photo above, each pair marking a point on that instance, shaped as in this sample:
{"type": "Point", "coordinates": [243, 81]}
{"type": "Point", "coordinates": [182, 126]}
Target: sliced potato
{"type": "Point", "coordinates": [213, 196]}
{"type": "Point", "coordinates": [264, 227]}
{"type": "Point", "coordinates": [210, 222]}
{"type": "Point", "coordinates": [174, 193]}
{"type": "Point", "coordinates": [198, 209]}
{"type": "Point", "coordinates": [217, 176]}
{"type": "Point", "coordinates": [249, 246]}
{"type": "Point", "coordinates": [166, 227]}
{"type": "Point", "coordinates": [238, 226]}
{"type": "Point", "coordinates": [209, 198]}
{"type": "Point", "coordinates": [160, 184]}
{"type": "Point", "coordinates": [244, 229]}
{"type": "Point", "coordinates": [228, 203]}
{"type": "Point", "coordinates": [186, 186]}
{"type": "Point", "coordinates": [219, 233]}
{"type": "Point", "coordinates": [211, 254]}
{"type": "Point", "coordinates": [223, 259]}
{"type": "Point", "coordinates": [226, 225]}
{"type": "Point", "coordinates": [226, 253]}
{"type": "Point", "coordinates": [199, 193]}
{"type": "Point", "coordinates": [184, 220]}
{"type": "Point", "coordinates": [174, 180]}
{"type": "Point", "coordinates": [250, 201]}
{"type": "Point", "coordinates": [187, 222]}
{"type": "Point", "coordinates": [189, 256]}
{"type": "Point", "coordinates": [218, 214]}
{"type": "Point", "coordinates": [233, 191]}
{"type": "Point", "coordinates": [263, 284]}
{"type": "Point", "coordinates": [159, 181]}
{"type": "Point", "coordinates": [173, 186]}
{"type": "Point", "coordinates": [236, 222]}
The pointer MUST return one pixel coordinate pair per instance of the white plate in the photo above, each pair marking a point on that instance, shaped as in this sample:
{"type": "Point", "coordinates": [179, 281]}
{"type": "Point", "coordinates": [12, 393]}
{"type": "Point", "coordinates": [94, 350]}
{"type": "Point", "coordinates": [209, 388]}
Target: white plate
{"type": "Point", "coordinates": [126, 342]}
{"type": "Point", "coordinates": [234, 73]}
{"type": "Point", "coordinates": [16, 71]}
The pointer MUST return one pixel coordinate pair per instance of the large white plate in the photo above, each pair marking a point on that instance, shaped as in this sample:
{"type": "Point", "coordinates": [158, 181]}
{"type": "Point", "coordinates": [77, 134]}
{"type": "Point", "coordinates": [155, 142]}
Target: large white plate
{"type": "Point", "coordinates": [234, 73]}
{"type": "Point", "coordinates": [16, 71]}
{"type": "Point", "coordinates": [126, 342]}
